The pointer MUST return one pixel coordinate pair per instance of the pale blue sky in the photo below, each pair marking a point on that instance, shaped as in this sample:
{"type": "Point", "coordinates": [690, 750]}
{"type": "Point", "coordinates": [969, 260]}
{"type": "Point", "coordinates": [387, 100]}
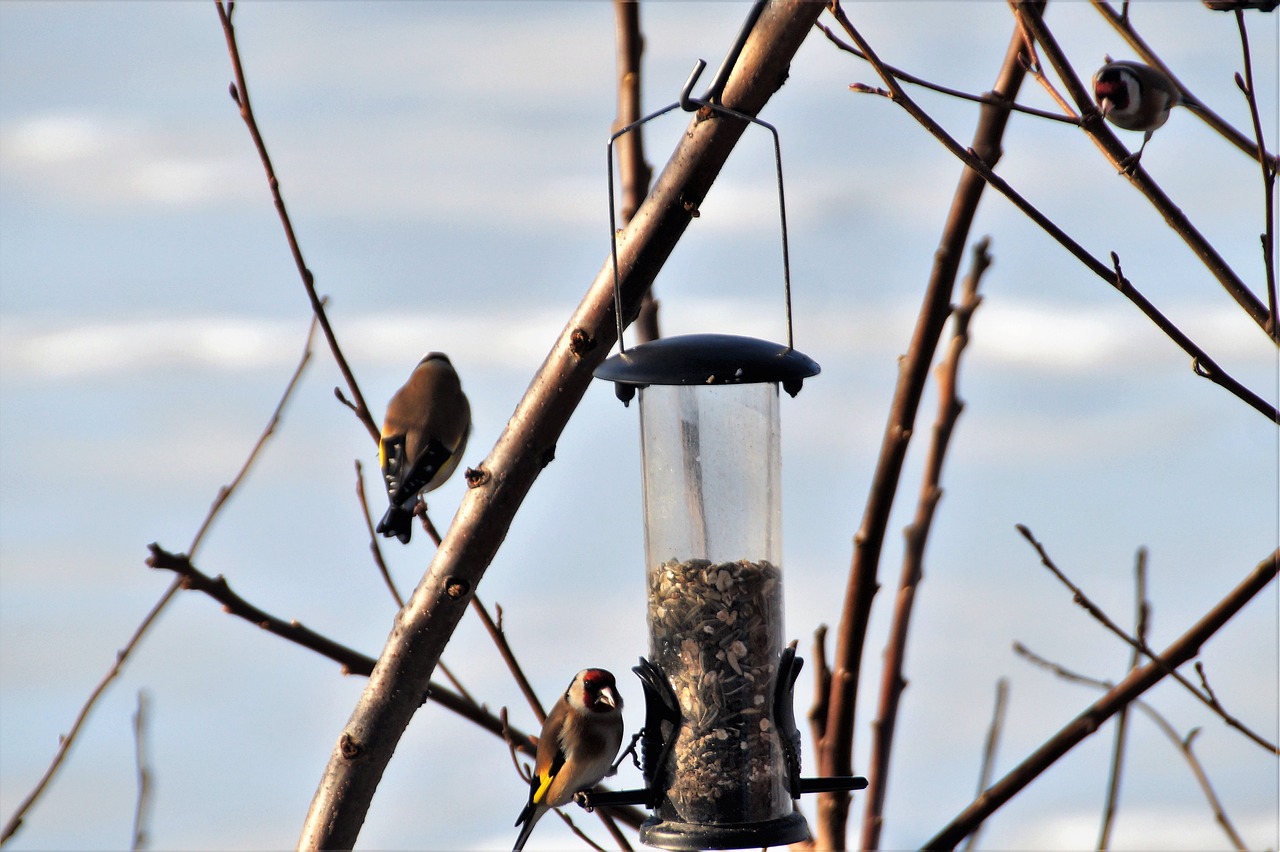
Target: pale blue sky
{"type": "Point", "coordinates": [444, 165]}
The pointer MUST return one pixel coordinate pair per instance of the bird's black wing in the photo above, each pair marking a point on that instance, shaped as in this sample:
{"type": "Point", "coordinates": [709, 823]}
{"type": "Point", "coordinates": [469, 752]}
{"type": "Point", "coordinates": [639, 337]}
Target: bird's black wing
{"type": "Point", "coordinates": [403, 486]}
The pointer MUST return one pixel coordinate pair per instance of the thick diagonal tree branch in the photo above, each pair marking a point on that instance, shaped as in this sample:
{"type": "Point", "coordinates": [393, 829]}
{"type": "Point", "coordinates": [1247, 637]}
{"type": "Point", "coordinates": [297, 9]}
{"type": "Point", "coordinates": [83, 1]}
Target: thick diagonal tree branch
{"type": "Point", "coordinates": [1137, 682]}
{"type": "Point", "coordinates": [500, 484]}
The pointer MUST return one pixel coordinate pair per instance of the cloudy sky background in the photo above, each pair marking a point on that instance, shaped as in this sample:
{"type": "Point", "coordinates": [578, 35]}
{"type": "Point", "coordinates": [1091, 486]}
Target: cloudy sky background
{"type": "Point", "coordinates": [444, 167]}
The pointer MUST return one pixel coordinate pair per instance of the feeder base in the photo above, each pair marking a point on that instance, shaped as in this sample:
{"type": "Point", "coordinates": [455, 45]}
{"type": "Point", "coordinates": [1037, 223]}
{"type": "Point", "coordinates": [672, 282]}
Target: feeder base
{"type": "Point", "coordinates": [690, 837]}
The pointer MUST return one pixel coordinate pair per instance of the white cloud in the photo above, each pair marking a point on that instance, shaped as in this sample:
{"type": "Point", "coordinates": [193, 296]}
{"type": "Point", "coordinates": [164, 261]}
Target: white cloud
{"type": "Point", "coordinates": [1061, 340]}
{"type": "Point", "coordinates": [51, 139]}
{"type": "Point", "coordinates": [86, 159]}
{"type": "Point", "coordinates": [1028, 338]}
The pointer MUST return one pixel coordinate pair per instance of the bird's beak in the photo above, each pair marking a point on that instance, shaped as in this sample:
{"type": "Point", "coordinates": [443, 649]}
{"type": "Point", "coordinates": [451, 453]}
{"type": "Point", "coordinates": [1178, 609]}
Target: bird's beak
{"type": "Point", "coordinates": [608, 696]}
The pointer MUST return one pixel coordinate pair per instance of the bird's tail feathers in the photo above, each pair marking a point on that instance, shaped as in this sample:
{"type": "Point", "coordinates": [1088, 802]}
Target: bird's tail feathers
{"type": "Point", "coordinates": [398, 522]}
{"type": "Point", "coordinates": [1192, 104]}
{"type": "Point", "coordinates": [529, 816]}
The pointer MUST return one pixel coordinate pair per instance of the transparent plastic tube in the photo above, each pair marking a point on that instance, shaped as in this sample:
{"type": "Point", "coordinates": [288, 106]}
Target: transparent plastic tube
{"type": "Point", "coordinates": [712, 501]}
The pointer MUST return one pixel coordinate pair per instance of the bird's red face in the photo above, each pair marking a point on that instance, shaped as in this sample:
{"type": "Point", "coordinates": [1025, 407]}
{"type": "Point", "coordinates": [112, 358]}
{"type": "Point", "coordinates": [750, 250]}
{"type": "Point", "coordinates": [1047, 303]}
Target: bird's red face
{"type": "Point", "coordinates": [599, 692]}
{"type": "Point", "coordinates": [1112, 92]}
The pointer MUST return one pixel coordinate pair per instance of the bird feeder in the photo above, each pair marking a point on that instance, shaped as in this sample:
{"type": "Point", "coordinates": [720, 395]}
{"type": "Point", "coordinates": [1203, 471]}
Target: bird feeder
{"type": "Point", "coordinates": [720, 741]}
{"type": "Point", "coordinates": [721, 753]}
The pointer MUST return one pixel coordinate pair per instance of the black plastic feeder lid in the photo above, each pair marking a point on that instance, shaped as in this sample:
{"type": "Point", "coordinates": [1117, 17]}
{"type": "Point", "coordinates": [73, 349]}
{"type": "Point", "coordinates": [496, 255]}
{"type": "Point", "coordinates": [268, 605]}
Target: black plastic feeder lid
{"type": "Point", "coordinates": [707, 359]}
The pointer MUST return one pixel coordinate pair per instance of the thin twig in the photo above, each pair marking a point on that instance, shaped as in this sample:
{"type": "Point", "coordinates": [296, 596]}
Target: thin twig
{"type": "Point", "coordinates": [142, 804]}
{"type": "Point", "coordinates": [821, 685]}
{"type": "Point", "coordinates": [1269, 167]}
{"type": "Point", "coordinates": [374, 549]}
{"type": "Point", "coordinates": [989, 750]}
{"type": "Point", "coordinates": [512, 745]}
{"type": "Point", "coordinates": [1202, 364]}
{"type": "Point", "coordinates": [1133, 686]}
{"type": "Point", "coordinates": [892, 680]}
{"type": "Point", "coordinates": [240, 94]}
{"type": "Point", "coordinates": [907, 77]}
{"type": "Point", "coordinates": [65, 741]}
{"type": "Point", "coordinates": [1118, 155]}
{"type": "Point", "coordinates": [224, 494]}
{"type": "Point", "coordinates": [568, 820]}
{"type": "Point", "coordinates": [1036, 68]}
{"type": "Point", "coordinates": [1121, 24]}
{"type": "Point", "coordinates": [1183, 744]}
{"type": "Point", "coordinates": [421, 511]}
{"type": "Point", "coordinates": [508, 656]}
{"type": "Point", "coordinates": [611, 825]}
{"type": "Point", "coordinates": [1102, 618]}
{"type": "Point", "coordinates": [1141, 611]}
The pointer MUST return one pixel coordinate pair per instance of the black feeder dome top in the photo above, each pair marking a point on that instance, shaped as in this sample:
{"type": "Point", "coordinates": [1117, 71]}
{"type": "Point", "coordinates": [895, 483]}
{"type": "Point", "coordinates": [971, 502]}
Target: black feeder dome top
{"type": "Point", "coordinates": [707, 359]}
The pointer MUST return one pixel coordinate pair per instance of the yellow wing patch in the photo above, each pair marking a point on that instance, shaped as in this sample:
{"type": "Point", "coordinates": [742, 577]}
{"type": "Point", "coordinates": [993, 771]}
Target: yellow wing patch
{"type": "Point", "coordinates": [544, 781]}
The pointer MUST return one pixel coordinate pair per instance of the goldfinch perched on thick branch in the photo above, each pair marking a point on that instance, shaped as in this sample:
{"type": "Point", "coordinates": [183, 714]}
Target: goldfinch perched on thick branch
{"type": "Point", "coordinates": [576, 747]}
{"type": "Point", "coordinates": [423, 437]}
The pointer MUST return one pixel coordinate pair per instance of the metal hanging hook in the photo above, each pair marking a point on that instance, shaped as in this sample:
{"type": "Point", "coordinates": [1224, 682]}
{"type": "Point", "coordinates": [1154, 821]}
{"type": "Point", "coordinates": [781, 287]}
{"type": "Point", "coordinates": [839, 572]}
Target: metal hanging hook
{"type": "Point", "coordinates": [711, 101]}
{"type": "Point", "coordinates": [716, 89]}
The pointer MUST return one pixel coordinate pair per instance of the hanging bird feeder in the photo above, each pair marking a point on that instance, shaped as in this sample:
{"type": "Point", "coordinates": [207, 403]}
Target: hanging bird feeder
{"type": "Point", "coordinates": [721, 753]}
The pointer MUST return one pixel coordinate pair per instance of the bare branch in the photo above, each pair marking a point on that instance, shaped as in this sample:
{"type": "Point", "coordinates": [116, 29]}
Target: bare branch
{"type": "Point", "coordinates": [1142, 610]}
{"type": "Point", "coordinates": [634, 172]}
{"type": "Point", "coordinates": [821, 685]}
{"type": "Point", "coordinates": [224, 494]}
{"type": "Point", "coordinates": [835, 749]}
{"type": "Point", "coordinates": [240, 94]}
{"type": "Point", "coordinates": [508, 656]}
{"type": "Point", "coordinates": [907, 77]}
{"type": "Point", "coordinates": [1202, 364]}
{"type": "Point", "coordinates": [1109, 144]}
{"type": "Point", "coordinates": [353, 662]}
{"type": "Point", "coordinates": [989, 750]}
{"type": "Point", "coordinates": [1101, 617]}
{"type": "Point", "coordinates": [1036, 68]}
{"type": "Point", "coordinates": [892, 680]}
{"type": "Point", "coordinates": [1120, 22]}
{"type": "Point", "coordinates": [142, 803]}
{"type": "Point", "coordinates": [1183, 744]}
{"type": "Point", "coordinates": [374, 549]}
{"type": "Point", "coordinates": [1135, 684]}
{"type": "Point", "coordinates": [1269, 167]}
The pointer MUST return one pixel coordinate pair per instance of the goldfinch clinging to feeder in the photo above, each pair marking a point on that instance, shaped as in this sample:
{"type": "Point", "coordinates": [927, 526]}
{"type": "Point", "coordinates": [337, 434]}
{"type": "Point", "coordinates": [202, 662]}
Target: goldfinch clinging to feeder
{"type": "Point", "coordinates": [423, 436]}
{"type": "Point", "coordinates": [1134, 96]}
{"type": "Point", "coordinates": [576, 748]}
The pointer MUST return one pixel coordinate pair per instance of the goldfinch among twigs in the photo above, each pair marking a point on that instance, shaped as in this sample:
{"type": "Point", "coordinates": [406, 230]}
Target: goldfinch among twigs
{"type": "Point", "coordinates": [423, 436]}
{"type": "Point", "coordinates": [576, 747]}
{"type": "Point", "coordinates": [1134, 96]}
